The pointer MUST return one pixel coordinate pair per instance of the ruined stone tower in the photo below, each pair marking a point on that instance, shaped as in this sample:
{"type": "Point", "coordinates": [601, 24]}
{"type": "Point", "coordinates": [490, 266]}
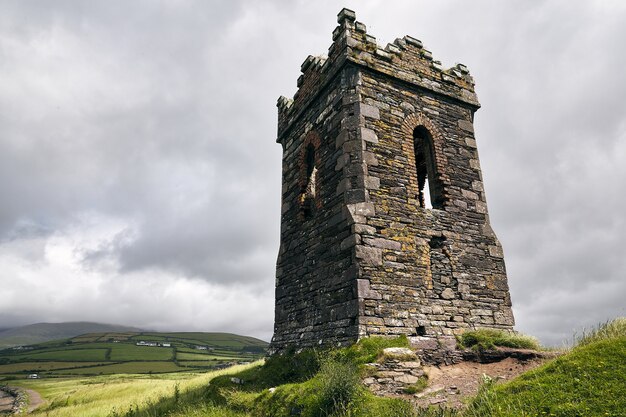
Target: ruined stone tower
{"type": "Point", "coordinates": [370, 137]}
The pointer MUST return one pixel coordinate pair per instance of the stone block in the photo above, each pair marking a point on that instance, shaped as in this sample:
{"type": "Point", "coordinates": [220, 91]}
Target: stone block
{"type": "Point", "coordinates": [448, 294]}
{"type": "Point", "coordinates": [410, 365]}
{"type": "Point", "coordinates": [369, 255]}
{"type": "Point", "coordinates": [369, 111]}
{"type": "Point", "coordinates": [424, 343]}
{"type": "Point", "coordinates": [389, 374]}
{"type": "Point", "coordinates": [370, 158]}
{"type": "Point", "coordinates": [470, 195]}
{"type": "Point", "coordinates": [354, 196]}
{"type": "Point", "coordinates": [383, 243]}
{"type": "Point", "coordinates": [350, 241]}
{"type": "Point", "coordinates": [496, 252]}
{"type": "Point", "coordinates": [398, 353]}
{"type": "Point", "coordinates": [372, 183]}
{"type": "Point", "coordinates": [363, 229]}
{"type": "Point", "coordinates": [361, 209]}
{"type": "Point", "coordinates": [406, 379]}
{"type": "Point", "coordinates": [368, 135]}
{"type": "Point", "coordinates": [344, 184]}
{"type": "Point", "coordinates": [342, 161]}
{"type": "Point", "coordinates": [466, 125]}
{"type": "Point", "coordinates": [503, 318]}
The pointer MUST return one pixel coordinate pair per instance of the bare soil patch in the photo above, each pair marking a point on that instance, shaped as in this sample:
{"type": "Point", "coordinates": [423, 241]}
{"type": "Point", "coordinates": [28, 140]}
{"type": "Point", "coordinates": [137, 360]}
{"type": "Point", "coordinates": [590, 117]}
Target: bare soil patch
{"type": "Point", "coordinates": [450, 385]}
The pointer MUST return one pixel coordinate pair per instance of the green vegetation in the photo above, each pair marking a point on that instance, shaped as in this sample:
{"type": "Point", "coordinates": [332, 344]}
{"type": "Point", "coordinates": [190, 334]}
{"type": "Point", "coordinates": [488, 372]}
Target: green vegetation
{"type": "Point", "coordinates": [483, 339]}
{"type": "Point", "coordinates": [588, 381]}
{"type": "Point", "coordinates": [606, 331]}
{"type": "Point", "coordinates": [74, 355]}
{"type": "Point", "coordinates": [103, 396]}
{"type": "Point", "coordinates": [419, 386]}
{"type": "Point", "coordinates": [111, 353]}
{"type": "Point", "coordinates": [370, 349]}
{"type": "Point", "coordinates": [308, 384]}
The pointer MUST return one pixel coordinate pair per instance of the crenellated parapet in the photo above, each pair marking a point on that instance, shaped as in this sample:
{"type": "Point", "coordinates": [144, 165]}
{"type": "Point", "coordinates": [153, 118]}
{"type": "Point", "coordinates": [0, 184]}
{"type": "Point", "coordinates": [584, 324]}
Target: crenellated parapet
{"type": "Point", "coordinates": [405, 59]}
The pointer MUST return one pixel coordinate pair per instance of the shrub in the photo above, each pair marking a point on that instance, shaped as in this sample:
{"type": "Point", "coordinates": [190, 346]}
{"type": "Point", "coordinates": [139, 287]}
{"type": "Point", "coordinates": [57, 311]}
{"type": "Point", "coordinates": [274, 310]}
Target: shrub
{"type": "Point", "coordinates": [289, 367]}
{"type": "Point", "coordinates": [338, 384]}
{"type": "Point", "coordinates": [483, 339]}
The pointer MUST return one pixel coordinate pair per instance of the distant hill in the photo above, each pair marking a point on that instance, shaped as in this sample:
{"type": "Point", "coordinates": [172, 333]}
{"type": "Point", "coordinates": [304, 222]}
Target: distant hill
{"type": "Point", "coordinates": [130, 353]}
{"type": "Point", "coordinates": [43, 332]}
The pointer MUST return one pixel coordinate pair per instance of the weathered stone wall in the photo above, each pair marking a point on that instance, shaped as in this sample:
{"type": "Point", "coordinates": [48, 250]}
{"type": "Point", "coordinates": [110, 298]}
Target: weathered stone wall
{"type": "Point", "coordinates": [315, 297]}
{"type": "Point", "coordinates": [360, 255]}
{"type": "Point", "coordinates": [440, 269]}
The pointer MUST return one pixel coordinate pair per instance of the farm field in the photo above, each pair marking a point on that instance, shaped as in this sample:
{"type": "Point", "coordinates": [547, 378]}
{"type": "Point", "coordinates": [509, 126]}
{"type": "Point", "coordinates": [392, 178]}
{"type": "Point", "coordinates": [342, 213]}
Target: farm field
{"type": "Point", "coordinates": [137, 353]}
{"type": "Point", "coordinates": [102, 396]}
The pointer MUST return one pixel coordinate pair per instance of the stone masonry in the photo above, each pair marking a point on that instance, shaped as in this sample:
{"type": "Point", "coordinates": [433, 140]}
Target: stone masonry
{"type": "Point", "coordinates": [369, 136]}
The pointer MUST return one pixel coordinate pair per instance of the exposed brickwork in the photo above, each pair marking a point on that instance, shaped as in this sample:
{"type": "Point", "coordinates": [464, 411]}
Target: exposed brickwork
{"type": "Point", "coordinates": [370, 259]}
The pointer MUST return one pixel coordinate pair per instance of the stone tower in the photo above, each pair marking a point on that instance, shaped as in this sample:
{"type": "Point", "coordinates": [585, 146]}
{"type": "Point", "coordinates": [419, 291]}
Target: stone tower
{"type": "Point", "coordinates": [384, 226]}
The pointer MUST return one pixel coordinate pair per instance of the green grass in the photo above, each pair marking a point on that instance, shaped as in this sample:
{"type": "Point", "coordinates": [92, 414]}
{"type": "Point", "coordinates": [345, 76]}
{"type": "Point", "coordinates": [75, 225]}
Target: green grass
{"type": "Point", "coordinates": [199, 364]}
{"type": "Point", "coordinates": [482, 339]}
{"type": "Point", "coordinates": [111, 395]}
{"type": "Point", "coordinates": [125, 352]}
{"type": "Point", "coordinates": [124, 368]}
{"type": "Point", "coordinates": [125, 355]}
{"type": "Point", "coordinates": [29, 367]}
{"type": "Point", "coordinates": [204, 356]}
{"type": "Point", "coordinates": [587, 382]}
{"type": "Point", "coordinates": [73, 355]}
{"type": "Point", "coordinates": [370, 349]}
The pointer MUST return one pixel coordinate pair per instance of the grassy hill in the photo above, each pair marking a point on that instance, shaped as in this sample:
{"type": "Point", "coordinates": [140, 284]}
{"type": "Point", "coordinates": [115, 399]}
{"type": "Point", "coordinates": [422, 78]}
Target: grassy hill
{"type": "Point", "coordinates": [43, 332]}
{"type": "Point", "coordinates": [129, 353]}
{"type": "Point", "coordinates": [586, 382]}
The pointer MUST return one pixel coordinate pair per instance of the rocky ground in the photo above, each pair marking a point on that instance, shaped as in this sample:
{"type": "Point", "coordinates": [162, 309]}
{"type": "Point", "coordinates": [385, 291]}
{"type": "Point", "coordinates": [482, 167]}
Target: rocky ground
{"type": "Point", "coordinates": [401, 373]}
{"type": "Point", "coordinates": [14, 399]}
{"type": "Point", "coordinates": [6, 403]}
{"type": "Point", "coordinates": [450, 385]}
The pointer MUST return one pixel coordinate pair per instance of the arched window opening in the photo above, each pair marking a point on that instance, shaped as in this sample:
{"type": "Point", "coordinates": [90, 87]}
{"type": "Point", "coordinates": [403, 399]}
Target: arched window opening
{"type": "Point", "coordinates": [307, 198]}
{"type": "Point", "coordinates": [430, 194]}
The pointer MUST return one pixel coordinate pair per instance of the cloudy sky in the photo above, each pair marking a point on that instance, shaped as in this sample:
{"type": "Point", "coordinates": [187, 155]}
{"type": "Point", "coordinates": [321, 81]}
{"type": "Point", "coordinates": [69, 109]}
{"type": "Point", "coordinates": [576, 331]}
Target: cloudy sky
{"type": "Point", "coordinates": [140, 178]}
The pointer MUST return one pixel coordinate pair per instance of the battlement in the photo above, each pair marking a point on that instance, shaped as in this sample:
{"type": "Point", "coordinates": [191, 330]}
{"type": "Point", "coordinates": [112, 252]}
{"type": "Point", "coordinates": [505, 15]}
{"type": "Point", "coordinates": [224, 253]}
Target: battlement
{"type": "Point", "coordinates": [405, 59]}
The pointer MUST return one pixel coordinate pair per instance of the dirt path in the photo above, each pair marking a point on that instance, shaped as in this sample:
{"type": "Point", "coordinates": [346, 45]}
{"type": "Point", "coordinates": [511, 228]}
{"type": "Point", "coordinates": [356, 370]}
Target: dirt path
{"type": "Point", "coordinates": [34, 399]}
{"type": "Point", "coordinates": [449, 385]}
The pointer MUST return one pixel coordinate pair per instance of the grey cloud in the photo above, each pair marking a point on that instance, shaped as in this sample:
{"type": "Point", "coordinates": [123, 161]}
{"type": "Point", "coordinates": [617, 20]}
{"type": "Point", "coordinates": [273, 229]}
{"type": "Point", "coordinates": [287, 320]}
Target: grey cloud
{"type": "Point", "coordinates": [162, 117]}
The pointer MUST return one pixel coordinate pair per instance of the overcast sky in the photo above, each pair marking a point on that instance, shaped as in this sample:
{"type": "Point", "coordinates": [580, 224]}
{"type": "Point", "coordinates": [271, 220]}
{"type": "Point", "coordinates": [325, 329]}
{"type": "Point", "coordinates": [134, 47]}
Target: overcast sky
{"type": "Point", "coordinates": [140, 178]}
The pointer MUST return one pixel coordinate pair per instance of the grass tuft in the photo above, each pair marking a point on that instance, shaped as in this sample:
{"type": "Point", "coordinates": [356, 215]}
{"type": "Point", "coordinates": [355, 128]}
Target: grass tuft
{"type": "Point", "coordinates": [368, 350]}
{"type": "Point", "coordinates": [605, 331]}
{"type": "Point", "coordinates": [484, 339]}
{"type": "Point", "coordinates": [419, 386]}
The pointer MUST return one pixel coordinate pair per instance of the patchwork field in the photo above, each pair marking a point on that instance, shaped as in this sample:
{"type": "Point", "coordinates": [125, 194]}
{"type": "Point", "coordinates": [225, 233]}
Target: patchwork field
{"type": "Point", "coordinates": [137, 353]}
